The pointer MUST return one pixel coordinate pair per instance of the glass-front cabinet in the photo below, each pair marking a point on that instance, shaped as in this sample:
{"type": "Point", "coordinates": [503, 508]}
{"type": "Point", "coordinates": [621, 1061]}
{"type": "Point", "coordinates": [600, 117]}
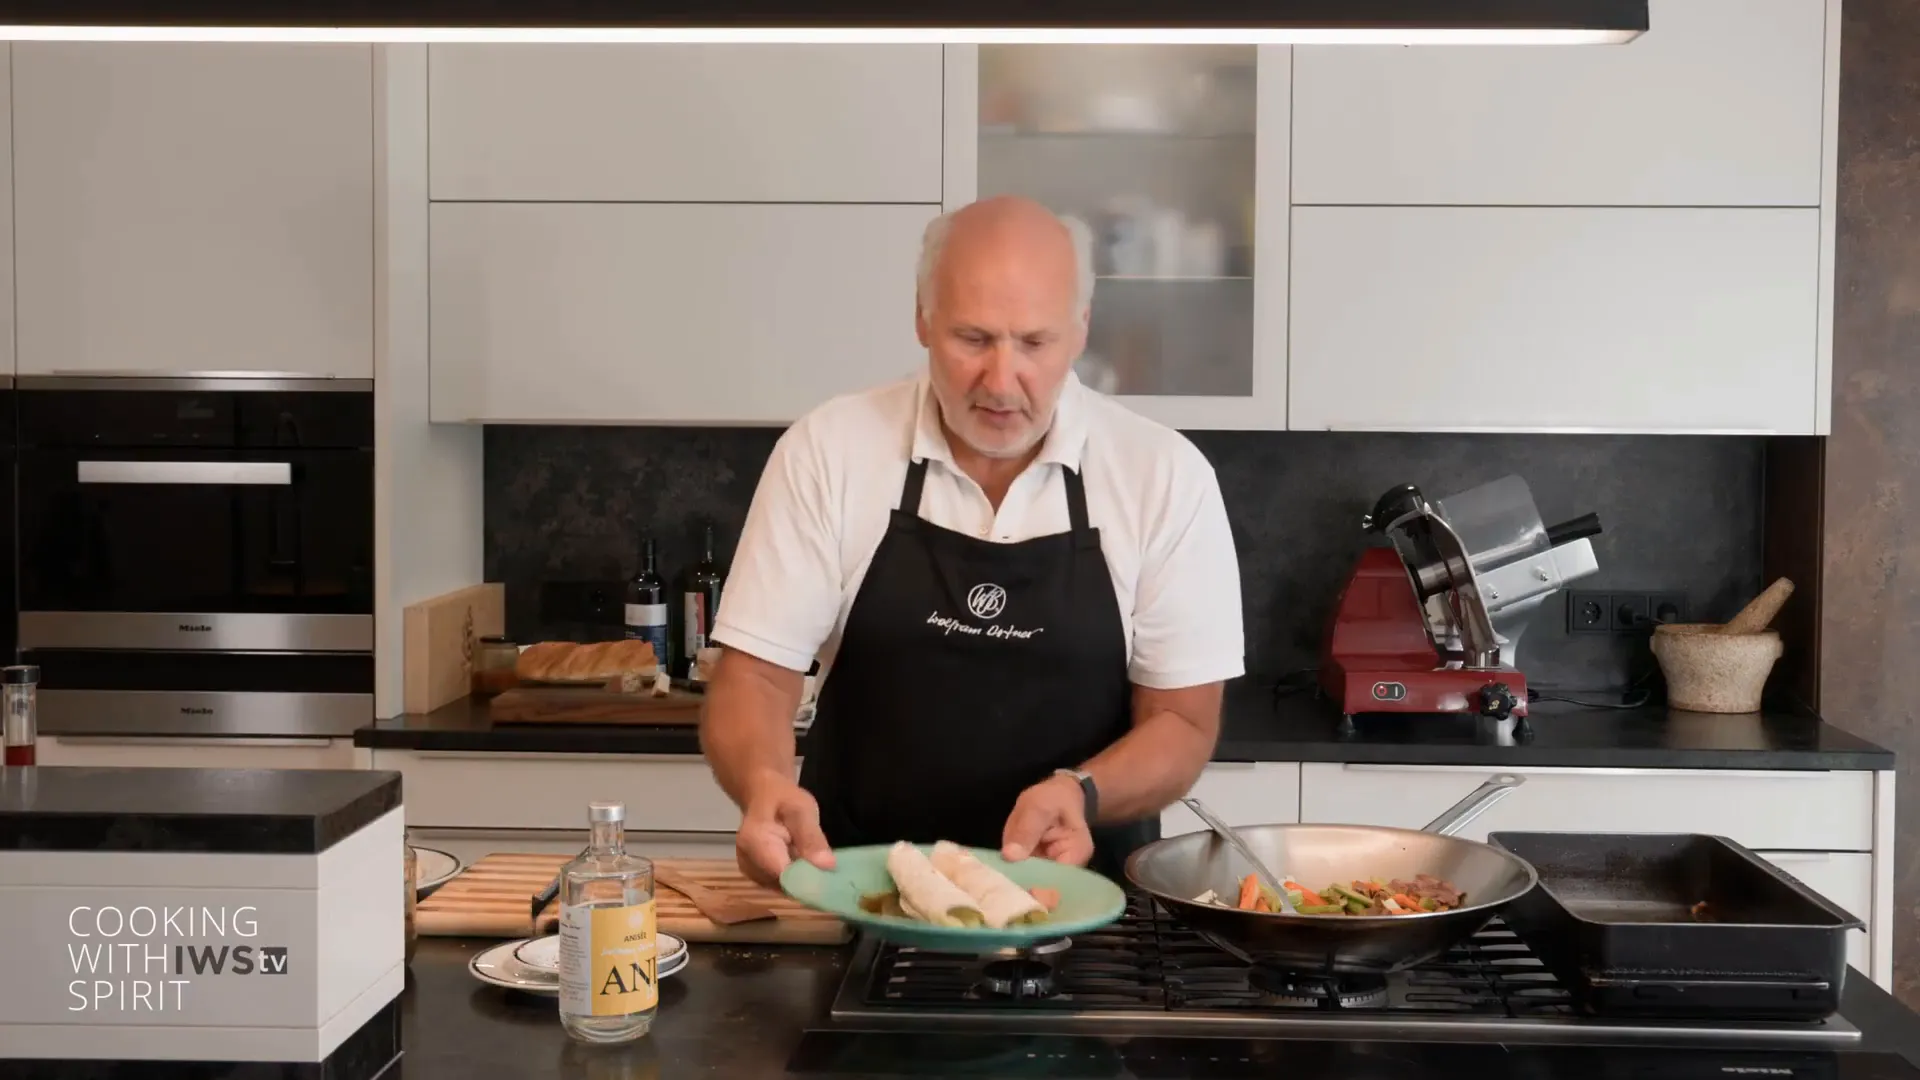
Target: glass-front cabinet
{"type": "Point", "coordinates": [1176, 159]}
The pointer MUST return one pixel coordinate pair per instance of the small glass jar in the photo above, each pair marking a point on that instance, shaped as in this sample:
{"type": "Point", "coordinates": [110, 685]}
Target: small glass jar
{"type": "Point", "coordinates": [494, 660]}
{"type": "Point", "coordinates": [19, 684]}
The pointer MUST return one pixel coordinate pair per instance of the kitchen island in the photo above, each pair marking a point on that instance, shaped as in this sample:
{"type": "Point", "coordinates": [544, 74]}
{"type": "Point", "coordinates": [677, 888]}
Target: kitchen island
{"type": "Point", "coordinates": [744, 1011]}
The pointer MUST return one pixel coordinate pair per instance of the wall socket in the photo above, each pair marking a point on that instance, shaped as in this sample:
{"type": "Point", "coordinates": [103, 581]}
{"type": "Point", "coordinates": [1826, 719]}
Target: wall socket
{"type": "Point", "coordinates": [1622, 612]}
{"type": "Point", "coordinates": [597, 603]}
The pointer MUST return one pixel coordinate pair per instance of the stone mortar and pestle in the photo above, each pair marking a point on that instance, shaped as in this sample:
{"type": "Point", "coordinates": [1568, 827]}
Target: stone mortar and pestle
{"type": "Point", "coordinates": [1722, 668]}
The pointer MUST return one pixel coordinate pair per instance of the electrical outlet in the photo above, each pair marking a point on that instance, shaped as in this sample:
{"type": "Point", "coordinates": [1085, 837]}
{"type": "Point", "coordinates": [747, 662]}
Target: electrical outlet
{"type": "Point", "coordinates": [1588, 613]}
{"type": "Point", "coordinates": [1667, 607]}
{"type": "Point", "coordinates": [1629, 613]}
{"type": "Point", "coordinates": [592, 602]}
{"type": "Point", "coordinates": [1623, 612]}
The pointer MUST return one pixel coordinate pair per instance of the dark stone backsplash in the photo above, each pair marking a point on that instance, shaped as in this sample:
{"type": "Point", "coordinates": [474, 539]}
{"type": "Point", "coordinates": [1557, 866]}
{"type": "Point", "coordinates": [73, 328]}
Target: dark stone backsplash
{"type": "Point", "coordinates": [1681, 513]}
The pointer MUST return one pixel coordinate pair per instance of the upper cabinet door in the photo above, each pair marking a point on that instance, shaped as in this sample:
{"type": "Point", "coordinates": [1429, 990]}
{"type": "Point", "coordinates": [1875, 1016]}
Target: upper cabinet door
{"type": "Point", "coordinates": [1718, 104]}
{"type": "Point", "coordinates": [6, 212]}
{"type": "Point", "coordinates": [1571, 319]}
{"type": "Point", "coordinates": [1175, 157]}
{"type": "Point", "coordinates": [583, 313]}
{"type": "Point", "coordinates": [685, 123]}
{"type": "Point", "coordinates": [194, 207]}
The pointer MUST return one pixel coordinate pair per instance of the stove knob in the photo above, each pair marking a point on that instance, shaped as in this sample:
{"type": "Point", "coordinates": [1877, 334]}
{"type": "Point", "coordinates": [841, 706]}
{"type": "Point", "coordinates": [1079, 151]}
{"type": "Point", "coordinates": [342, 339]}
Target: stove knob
{"type": "Point", "coordinates": [1497, 701]}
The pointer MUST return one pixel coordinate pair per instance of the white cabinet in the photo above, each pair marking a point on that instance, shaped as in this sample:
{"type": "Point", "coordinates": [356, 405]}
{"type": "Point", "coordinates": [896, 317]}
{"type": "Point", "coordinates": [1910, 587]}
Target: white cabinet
{"type": "Point", "coordinates": [685, 123]}
{"type": "Point", "coordinates": [6, 211]}
{"type": "Point", "coordinates": [506, 791]}
{"type": "Point", "coordinates": [1513, 319]}
{"type": "Point", "coordinates": [1718, 104]}
{"type": "Point", "coordinates": [1176, 157]}
{"type": "Point", "coordinates": [193, 207]}
{"type": "Point", "coordinates": [112, 751]}
{"type": "Point", "coordinates": [650, 313]}
{"type": "Point", "coordinates": [1815, 811]}
{"type": "Point", "coordinates": [1240, 793]}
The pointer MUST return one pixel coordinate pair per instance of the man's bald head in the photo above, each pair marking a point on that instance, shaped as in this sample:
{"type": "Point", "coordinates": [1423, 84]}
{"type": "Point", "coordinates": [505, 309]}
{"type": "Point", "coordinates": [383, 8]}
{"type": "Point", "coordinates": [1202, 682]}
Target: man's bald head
{"type": "Point", "coordinates": [1008, 224]}
{"type": "Point", "coordinates": [1004, 294]}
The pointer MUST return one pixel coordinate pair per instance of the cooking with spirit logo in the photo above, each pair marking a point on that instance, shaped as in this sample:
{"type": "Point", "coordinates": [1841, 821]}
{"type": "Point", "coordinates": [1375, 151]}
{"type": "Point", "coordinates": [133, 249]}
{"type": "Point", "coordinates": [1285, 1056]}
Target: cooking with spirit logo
{"type": "Point", "coordinates": [148, 959]}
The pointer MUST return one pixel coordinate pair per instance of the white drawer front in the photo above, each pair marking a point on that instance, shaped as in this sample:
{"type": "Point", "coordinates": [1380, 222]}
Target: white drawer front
{"type": "Point", "coordinates": [1844, 877]}
{"type": "Point", "coordinates": [1241, 793]}
{"type": "Point", "coordinates": [191, 753]}
{"type": "Point", "coordinates": [512, 791]}
{"type": "Point", "coordinates": [1814, 811]}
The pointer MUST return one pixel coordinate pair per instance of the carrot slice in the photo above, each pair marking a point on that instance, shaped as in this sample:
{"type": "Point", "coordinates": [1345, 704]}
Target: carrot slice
{"type": "Point", "coordinates": [1249, 891]}
{"type": "Point", "coordinates": [1049, 898]}
{"type": "Point", "coordinates": [1307, 896]}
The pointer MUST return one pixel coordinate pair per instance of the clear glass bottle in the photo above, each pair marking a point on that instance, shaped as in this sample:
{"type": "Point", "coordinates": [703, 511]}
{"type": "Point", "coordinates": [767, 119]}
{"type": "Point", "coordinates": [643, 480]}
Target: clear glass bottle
{"type": "Point", "coordinates": [19, 684]}
{"type": "Point", "coordinates": [608, 936]}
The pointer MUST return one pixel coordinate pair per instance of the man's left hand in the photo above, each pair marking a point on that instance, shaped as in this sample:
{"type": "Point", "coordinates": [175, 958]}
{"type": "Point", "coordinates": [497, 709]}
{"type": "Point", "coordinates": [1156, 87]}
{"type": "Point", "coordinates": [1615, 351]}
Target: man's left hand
{"type": "Point", "coordinates": [1049, 820]}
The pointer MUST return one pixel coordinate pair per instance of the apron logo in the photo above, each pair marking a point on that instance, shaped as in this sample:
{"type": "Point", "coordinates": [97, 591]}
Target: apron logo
{"type": "Point", "coordinates": [986, 601]}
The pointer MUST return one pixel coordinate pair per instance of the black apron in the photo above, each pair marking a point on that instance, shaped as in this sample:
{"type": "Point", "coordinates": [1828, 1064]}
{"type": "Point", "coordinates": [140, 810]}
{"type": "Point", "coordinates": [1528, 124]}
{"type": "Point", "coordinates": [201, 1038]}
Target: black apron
{"type": "Point", "coordinates": [967, 672]}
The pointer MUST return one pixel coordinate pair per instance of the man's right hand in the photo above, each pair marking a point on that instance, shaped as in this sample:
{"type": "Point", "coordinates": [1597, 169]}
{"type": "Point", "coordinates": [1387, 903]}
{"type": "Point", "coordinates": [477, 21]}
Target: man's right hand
{"type": "Point", "coordinates": [781, 823]}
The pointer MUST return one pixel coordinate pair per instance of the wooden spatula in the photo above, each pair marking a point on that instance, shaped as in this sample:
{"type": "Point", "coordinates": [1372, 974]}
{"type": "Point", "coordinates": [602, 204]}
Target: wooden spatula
{"type": "Point", "coordinates": [723, 909]}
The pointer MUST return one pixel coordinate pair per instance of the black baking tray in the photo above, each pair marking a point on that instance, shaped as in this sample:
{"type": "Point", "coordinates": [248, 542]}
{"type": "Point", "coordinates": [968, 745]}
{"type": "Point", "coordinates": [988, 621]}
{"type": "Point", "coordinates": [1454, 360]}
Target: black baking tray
{"type": "Point", "coordinates": [1614, 917]}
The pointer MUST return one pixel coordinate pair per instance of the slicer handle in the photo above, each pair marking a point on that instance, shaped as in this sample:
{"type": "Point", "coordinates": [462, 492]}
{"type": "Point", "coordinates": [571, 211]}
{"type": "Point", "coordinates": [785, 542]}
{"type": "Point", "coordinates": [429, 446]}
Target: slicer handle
{"type": "Point", "coordinates": [1568, 531]}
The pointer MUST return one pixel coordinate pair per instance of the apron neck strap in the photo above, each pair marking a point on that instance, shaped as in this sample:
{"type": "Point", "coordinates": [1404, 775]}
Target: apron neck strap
{"type": "Point", "coordinates": [1083, 534]}
{"type": "Point", "coordinates": [910, 489]}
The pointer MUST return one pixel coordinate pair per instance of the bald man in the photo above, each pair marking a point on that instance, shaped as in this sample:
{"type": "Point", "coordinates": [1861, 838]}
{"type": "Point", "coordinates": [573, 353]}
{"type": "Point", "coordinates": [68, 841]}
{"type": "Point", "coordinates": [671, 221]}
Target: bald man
{"type": "Point", "coordinates": [1022, 596]}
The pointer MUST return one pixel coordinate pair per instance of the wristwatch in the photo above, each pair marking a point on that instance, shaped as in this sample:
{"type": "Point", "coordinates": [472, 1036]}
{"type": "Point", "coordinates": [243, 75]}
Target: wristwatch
{"type": "Point", "coordinates": [1087, 788]}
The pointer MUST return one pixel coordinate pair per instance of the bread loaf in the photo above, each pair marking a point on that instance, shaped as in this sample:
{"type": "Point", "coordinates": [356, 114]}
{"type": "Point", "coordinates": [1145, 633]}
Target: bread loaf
{"type": "Point", "coordinates": [600, 661]}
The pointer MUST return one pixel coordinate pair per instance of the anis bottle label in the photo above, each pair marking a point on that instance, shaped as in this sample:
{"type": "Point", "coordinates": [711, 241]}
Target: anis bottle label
{"type": "Point", "coordinates": [608, 957]}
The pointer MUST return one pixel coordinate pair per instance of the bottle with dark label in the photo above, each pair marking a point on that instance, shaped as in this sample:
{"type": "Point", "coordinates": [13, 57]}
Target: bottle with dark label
{"type": "Point", "coordinates": [699, 600]}
{"type": "Point", "coordinates": [646, 616]}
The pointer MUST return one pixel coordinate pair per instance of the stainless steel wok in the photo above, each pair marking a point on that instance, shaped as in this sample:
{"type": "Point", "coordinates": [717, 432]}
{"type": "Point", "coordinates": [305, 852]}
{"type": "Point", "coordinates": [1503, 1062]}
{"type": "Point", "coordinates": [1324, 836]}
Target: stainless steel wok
{"type": "Point", "coordinates": [1179, 868]}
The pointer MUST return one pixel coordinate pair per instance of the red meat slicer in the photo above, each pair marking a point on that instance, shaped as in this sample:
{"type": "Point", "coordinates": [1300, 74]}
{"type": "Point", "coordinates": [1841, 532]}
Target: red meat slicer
{"type": "Point", "coordinates": [1430, 623]}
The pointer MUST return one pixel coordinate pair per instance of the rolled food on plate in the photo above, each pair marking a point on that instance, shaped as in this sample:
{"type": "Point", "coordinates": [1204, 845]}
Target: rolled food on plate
{"type": "Point", "coordinates": [1001, 902]}
{"type": "Point", "coordinates": [925, 894]}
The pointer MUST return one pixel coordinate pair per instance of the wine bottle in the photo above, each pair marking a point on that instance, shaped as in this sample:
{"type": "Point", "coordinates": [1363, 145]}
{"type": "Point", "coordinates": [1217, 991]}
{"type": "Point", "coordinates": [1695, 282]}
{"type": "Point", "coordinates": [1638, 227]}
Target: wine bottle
{"type": "Point", "coordinates": [646, 610]}
{"type": "Point", "coordinates": [699, 601]}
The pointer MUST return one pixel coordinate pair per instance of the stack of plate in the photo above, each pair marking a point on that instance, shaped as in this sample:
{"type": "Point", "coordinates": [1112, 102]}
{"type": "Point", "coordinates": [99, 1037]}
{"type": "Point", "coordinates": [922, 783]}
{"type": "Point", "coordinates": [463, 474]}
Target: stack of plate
{"type": "Point", "coordinates": [532, 965]}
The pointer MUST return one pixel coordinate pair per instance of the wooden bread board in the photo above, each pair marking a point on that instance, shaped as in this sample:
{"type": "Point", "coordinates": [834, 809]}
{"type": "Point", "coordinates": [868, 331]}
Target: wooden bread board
{"type": "Point", "coordinates": [592, 705]}
{"type": "Point", "coordinates": [439, 636]}
{"type": "Point", "coordinates": [491, 897]}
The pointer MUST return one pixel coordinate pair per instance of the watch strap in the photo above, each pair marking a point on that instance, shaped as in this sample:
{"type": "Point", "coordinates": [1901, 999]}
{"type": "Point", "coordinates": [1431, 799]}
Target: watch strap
{"type": "Point", "coordinates": [1087, 788]}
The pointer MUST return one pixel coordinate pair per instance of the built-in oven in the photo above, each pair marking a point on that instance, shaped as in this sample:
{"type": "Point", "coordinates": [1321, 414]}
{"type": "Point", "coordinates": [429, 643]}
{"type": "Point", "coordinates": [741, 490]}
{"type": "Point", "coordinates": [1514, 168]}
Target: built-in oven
{"type": "Point", "coordinates": [196, 554]}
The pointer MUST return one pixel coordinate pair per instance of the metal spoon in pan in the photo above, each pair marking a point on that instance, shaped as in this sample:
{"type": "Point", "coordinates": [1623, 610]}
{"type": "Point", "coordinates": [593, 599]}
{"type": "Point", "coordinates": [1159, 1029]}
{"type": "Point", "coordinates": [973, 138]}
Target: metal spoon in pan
{"type": "Point", "coordinates": [1225, 832]}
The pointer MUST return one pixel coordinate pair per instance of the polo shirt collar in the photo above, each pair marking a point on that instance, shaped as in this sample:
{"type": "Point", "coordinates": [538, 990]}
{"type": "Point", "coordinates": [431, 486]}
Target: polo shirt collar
{"type": "Point", "coordinates": [1065, 440]}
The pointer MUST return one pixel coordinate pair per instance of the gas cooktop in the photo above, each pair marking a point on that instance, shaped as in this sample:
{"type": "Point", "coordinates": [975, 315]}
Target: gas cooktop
{"type": "Point", "coordinates": [1149, 975]}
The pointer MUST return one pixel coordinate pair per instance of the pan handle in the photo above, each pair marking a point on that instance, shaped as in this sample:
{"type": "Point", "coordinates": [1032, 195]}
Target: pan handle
{"type": "Point", "coordinates": [1460, 813]}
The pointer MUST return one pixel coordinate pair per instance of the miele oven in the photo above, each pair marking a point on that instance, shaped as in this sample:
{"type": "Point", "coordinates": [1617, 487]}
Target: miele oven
{"type": "Point", "coordinates": [196, 554]}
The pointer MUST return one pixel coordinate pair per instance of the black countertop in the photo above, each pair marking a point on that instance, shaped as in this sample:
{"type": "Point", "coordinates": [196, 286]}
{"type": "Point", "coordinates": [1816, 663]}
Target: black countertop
{"type": "Point", "coordinates": [1259, 725]}
{"type": "Point", "coordinates": [740, 1011]}
{"type": "Point", "coordinates": [237, 811]}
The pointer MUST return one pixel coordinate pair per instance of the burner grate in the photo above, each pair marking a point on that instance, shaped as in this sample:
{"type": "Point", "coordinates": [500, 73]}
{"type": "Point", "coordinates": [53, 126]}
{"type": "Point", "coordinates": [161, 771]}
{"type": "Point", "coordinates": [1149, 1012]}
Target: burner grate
{"type": "Point", "coordinates": [1150, 962]}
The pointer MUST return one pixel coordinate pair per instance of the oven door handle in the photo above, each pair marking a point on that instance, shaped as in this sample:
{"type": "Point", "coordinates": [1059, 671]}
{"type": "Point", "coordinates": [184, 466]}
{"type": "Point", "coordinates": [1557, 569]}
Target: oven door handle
{"type": "Point", "coordinates": [273, 473]}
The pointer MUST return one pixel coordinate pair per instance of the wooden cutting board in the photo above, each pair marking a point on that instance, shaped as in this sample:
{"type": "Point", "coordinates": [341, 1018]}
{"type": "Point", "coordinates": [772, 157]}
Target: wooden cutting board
{"type": "Point", "coordinates": [490, 899]}
{"type": "Point", "coordinates": [439, 635]}
{"type": "Point", "coordinates": [592, 705]}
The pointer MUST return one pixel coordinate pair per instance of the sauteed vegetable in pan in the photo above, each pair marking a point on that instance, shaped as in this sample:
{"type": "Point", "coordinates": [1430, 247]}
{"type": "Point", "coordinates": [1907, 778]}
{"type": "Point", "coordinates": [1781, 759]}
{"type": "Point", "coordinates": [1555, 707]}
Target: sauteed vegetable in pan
{"type": "Point", "coordinates": [1425, 893]}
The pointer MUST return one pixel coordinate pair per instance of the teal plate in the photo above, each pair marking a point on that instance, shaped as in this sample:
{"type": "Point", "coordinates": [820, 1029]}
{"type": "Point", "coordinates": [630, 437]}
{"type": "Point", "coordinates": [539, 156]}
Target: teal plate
{"type": "Point", "coordinates": [1087, 900]}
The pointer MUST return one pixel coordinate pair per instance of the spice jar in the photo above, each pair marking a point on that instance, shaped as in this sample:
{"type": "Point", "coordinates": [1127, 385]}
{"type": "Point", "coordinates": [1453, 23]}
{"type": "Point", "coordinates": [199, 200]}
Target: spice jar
{"type": "Point", "coordinates": [19, 684]}
{"type": "Point", "coordinates": [493, 667]}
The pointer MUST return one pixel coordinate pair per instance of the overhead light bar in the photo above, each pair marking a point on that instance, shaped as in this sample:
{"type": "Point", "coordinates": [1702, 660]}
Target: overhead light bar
{"type": "Point", "coordinates": [1063, 22]}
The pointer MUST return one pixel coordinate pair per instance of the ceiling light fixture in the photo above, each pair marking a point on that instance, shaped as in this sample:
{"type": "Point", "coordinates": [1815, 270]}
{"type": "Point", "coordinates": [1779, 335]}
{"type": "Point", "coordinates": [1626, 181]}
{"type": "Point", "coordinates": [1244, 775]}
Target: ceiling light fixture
{"type": "Point", "coordinates": [1233, 22]}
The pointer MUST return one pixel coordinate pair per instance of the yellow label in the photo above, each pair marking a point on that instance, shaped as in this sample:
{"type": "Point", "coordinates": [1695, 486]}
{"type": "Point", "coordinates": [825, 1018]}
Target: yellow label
{"type": "Point", "coordinates": [608, 959]}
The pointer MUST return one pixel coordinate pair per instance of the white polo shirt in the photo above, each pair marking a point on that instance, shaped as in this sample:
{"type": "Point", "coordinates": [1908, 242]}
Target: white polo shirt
{"type": "Point", "coordinates": [834, 478]}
